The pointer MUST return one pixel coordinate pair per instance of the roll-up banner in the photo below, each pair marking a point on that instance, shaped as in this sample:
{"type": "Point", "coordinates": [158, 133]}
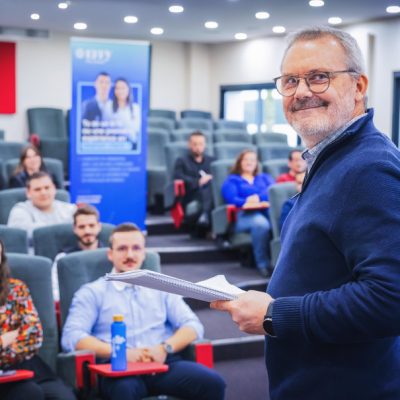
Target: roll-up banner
{"type": "Point", "coordinates": [110, 100]}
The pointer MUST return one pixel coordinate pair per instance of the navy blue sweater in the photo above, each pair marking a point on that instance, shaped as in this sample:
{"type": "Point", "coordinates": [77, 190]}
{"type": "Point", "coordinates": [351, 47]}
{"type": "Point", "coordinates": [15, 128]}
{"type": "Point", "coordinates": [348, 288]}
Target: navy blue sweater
{"type": "Point", "coordinates": [337, 280]}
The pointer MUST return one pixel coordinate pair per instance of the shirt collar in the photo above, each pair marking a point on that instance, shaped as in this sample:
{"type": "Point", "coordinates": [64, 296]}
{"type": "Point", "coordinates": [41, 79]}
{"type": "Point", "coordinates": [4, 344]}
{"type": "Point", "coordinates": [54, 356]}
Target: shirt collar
{"type": "Point", "coordinates": [310, 155]}
{"type": "Point", "coordinates": [120, 286]}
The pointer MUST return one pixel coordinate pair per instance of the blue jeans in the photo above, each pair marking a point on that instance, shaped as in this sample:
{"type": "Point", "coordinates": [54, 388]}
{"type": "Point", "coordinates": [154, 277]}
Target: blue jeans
{"type": "Point", "coordinates": [184, 379]}
{"type": "Point", "coordinates": [256, 223]}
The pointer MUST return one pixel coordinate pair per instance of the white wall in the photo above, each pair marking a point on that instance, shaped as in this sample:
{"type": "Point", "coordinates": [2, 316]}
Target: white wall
{"type": "Point", "coordinates": [188, 75]}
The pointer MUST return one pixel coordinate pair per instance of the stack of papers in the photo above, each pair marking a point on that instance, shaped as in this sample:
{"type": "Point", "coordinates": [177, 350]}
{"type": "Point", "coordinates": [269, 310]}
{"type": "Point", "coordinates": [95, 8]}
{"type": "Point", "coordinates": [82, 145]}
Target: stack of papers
{"type": "Point", "coordinates": [215, 288]}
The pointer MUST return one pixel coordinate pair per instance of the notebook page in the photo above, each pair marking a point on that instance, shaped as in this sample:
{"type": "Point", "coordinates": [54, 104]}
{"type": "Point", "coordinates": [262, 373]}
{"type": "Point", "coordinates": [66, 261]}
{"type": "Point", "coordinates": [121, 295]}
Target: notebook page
{"type": "Point", "coordinates": [170, 284]}
{"type": "Point", "coordinates": [219, 282]}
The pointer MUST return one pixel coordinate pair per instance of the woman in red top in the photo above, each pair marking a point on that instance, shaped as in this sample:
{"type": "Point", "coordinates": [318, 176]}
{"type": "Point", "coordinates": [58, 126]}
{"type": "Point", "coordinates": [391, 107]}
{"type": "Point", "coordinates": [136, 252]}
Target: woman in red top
{"type": "Point", "coordinates": [21, 336]}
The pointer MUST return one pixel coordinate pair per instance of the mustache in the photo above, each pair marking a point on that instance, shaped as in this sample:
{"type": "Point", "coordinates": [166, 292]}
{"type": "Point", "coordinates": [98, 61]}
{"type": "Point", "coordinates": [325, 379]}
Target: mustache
{"type": "Point", "coordinates": [312, 102]}
{"type": "Point", "coordinates": [129, 260]}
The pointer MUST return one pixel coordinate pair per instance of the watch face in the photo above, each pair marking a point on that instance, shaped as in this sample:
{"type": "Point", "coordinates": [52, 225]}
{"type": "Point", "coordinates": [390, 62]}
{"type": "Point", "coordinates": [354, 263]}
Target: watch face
{"type": "Point", "coordinates": [267, 325]}
{"type": "Point", "coordinates": [168, 348]}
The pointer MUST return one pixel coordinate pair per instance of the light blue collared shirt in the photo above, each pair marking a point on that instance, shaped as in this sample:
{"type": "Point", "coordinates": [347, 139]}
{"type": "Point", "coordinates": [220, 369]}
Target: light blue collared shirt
{"type": "Point", "coordinates": [310, 155]}
{"type": "Point", "coordinates": [150, 316]}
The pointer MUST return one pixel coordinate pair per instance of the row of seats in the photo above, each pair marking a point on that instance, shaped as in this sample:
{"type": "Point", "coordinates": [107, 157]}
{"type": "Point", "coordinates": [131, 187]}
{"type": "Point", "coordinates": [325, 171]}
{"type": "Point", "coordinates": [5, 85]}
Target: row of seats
{"type": "Point", "coordinates": [169, 114]}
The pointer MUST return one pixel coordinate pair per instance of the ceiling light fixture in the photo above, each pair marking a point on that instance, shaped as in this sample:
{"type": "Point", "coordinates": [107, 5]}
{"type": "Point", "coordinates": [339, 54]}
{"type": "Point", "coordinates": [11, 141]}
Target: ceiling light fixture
{"type": "Point", "coordinates": [262, 15]}
{"type": "Point", "coordinates": [211, 25]}
{"type": "Point", "coordinates": [157, 31]}
{"type": "Point", "coordinates": [130, 19]}
{"type": "Point", "coordinates": [240, 36]}
{"type": "Point", "coordinates": [80, 26]}
{"type": "Point", "coordinates": [278, 29]}
{"type": "Point", "coordinates": [176, 9]}
{"type": "Point", "coordinates": [393, 9]}
{"type": "Point", "coordinates": [335, 20]}
{"type": "Point", "coordinates": [316, 3]}
{"type": "Point", "coordinates": [63, 5]}
{"type": "Point", "coordinates": [35, 16]}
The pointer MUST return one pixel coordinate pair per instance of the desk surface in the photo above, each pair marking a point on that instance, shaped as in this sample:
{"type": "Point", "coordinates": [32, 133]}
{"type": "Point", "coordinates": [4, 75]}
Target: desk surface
{"type": "Point", "coordinates": [135, 368]}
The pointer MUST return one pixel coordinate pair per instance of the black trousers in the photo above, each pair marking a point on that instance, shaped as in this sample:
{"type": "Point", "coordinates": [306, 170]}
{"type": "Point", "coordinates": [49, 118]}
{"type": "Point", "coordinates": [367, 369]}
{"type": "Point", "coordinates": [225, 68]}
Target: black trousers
{"type": "Point", "coordinates": [45, 385]}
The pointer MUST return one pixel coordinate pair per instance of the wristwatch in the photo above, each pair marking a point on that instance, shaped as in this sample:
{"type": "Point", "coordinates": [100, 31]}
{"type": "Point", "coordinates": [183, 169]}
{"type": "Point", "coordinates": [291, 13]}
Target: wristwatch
{"type": "Point", "coordinates": [167, 347]}
{"type": "Point", "coordinates": [267, 324]}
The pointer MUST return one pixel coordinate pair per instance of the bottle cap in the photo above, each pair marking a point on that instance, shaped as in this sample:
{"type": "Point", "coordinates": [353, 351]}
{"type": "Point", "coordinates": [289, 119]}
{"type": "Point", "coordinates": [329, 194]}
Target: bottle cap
{"type": "Point", "coordinates": [118, 318]}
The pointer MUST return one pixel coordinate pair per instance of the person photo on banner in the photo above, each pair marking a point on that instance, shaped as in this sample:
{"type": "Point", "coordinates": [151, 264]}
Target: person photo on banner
{"type": "Point", "coordinates": [125, 112]}
{"type": "Point", "coordinates": [98, 107]}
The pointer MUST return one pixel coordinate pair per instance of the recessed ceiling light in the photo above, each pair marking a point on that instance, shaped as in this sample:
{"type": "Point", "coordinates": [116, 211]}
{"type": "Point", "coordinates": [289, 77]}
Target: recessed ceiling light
{"type": "Point", "coordinates": [316, 3]}
{"type": "Point", "coordinates": [262, 15]}
{"type": "Point", "coordinates": [240, 36]}
{"type": "Point", "coordinates": [130, 19]}
{"type": "Point", "coordinates": [157, 31]}
{"type": "Point", "coordinates": [335, 20]}
{"type": "Point", "coordinates": [63, 5]}
{"type": "Point", "coordinates": [80, 26]}
{"type": "Point", "coordinates": [278, 29]}
{"type": "Point", "coordinates": [176, 9]}
{"type": "Point", "coordinates": [211, 25]}
{"type": "Point", "coordinates": [393, 9]}
{"type": "Point", "coordinates": [35, 16]}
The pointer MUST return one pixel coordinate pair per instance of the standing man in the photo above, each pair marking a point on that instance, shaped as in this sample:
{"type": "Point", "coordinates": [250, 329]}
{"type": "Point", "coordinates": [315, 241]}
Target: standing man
{"type": "Point", "coordinates": [195, 170]}
{"type": "Point", "coordinates": [158, 325]}
{"type": "Point", "coordinates": [99, 107]}
{"type": "Point", "coordinates": [332, 312]}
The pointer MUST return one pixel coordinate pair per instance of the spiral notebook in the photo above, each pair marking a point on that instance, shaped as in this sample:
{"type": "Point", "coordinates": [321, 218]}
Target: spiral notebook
{"type": "Point", "coordinates": [215, 288]}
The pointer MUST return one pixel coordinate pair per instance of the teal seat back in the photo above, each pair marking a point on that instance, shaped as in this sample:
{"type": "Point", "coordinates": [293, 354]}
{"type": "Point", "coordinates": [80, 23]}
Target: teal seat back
{"type": "Point", "coordinates": [200, 124]}
{"type": "Point", "coordinates": [270, 137]}
{"type": "Point", "coordinates": [276, 167]}
{"type": "Point", "coordinates": [156, 140]}
{"type": "Point", "coordinates": [232, 136]}
{"type": "Point", "coordinates": [36, 273]}
{"type": "Point", "coordinates": [15, 240]}
{"type": "Point", "coordinates": [47, 122]}
{"type": "Point", "coordinates": [273, 151]}
{"type": "Point", "coordinates": [48, 241]}
{"type": "Point", "coordinates": [9, 150]}
{"type": "Point", "coordinates": [196, 114]}
{"type": "Point", "coordinates": [162, 113]}
{"type": "Point", "coordinates": [10, 197]}
{"type": "Point", "coordinates": [160, 123]}
{"type": "Point", "coordinates": [77, 269]}
{"type": "Point", "coordinates": [231, 150]}
{"type": "Point", "coordinates": [226, 124]}
{"type": "Point", "coordinates": [219, 170]}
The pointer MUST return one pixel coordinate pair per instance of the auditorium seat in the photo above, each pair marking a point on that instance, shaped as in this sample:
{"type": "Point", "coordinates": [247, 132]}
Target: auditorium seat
{"type": "Point", "coordinates": [269, 137]}
{"type": "Point", "coordinates": [160, 123]}
{"type": "Point", "coordinates": [48, 241]}
{"type": "Point", "coordinates": [196, 114]}
{"type": "Point", "coordinates": [156, 164]}
{"type": "Point", "coordinates": [226, 135]}
{"type": "Point", "coordinates": [10, 197]}
{"type": "Point", "coordinates": [36, 273]}
{"type": "Point", "coordinates": [227, 124]}
{"type": "Point", "coordinates": [278, 194]}
{"type": "Point", "coordinates": [9, 150]}
{"type": "Point", "coordinates": [276, 167]}
{"type": "Point", "coordinates": [53, 166]}
{"type": "Point", "coordinates": [195, 124]}
{"type": "Point", "coordinates": [162, 113]}
{"type": "Point", "coordinates": [230, 150]}
{"type": "Point", "coordinates": [183, 134]}
{"type": "Point", "coordinates": [15, 240]}
{"type": "Point", "coordinates": [273, 151]}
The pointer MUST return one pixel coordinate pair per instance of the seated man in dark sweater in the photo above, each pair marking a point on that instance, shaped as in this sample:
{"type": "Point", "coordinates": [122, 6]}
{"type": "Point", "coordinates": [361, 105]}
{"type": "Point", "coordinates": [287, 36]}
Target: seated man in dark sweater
{"type": "Point", "coordinates": [194, 170]}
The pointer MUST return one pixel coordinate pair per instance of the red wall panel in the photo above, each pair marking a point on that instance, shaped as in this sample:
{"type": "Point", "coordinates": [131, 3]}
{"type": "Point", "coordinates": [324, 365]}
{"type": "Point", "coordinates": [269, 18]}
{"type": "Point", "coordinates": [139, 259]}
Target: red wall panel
{"type": "Point", "coordinates": [7, 78]}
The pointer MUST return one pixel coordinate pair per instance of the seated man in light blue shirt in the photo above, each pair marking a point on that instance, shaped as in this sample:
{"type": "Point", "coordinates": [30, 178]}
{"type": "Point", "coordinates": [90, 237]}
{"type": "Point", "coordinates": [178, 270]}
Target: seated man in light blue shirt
{"type": "Point", "coordinates": [159, 325]}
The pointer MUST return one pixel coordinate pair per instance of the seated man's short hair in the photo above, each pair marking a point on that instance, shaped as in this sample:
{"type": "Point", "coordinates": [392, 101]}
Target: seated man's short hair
{"type": "Point", "coordinates": [86, 209]}
{"type": "Point", "coordinates": [197, 133]}
{"type": "Point", "coordinates": [125, 227]}
{"type": "Point", "coordinates": [37, 175]}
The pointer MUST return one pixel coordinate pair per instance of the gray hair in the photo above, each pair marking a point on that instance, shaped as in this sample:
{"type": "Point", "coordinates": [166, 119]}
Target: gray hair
{"type": "Point", "coordinates": [354, 58]}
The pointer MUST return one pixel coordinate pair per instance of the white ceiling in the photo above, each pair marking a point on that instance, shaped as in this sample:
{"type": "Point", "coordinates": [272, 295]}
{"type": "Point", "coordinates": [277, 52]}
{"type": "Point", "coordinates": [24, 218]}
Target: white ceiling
{"type": "Point", "coordinates": [105, 17]}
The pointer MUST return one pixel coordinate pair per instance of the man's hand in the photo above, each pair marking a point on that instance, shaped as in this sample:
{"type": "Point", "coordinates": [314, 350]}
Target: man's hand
{"type": "Point", "coordinates": [9, 338]}
{"type": "Point", "coordinates": [248, 311]}
{"type": "Point", "coordinates": [205, 179]}
{"type": "Point", "coordinates": [138, 355]}
{"type": "Point", "coordinates": [157, 353]}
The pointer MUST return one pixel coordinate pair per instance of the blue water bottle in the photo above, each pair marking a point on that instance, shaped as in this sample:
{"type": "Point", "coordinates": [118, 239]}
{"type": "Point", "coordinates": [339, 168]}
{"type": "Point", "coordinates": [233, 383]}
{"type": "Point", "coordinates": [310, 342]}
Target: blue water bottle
{"type": "Point", "coordinates": [118, 343]}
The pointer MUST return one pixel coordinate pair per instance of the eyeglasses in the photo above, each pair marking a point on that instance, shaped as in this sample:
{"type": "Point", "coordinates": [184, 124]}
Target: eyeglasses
{"type": "Point", "coordinates": [316, 81]}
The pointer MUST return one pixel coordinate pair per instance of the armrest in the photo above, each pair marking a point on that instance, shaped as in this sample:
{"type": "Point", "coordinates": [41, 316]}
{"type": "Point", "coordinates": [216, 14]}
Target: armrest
{"type": "Point", "coordinates": [200, 351]}
{"type": "Point", "coordinates": [71, 367]}
{"type": "Point", "coordinates": [173, 191]}
{"type": "Point", "coordinates": [222, 218]}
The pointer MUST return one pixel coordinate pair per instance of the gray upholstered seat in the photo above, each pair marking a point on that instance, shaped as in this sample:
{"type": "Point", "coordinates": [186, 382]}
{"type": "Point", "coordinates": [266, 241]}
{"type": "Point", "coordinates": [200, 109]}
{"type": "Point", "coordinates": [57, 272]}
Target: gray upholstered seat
{"type": "Point", "coordinates": [162, 113]}
{"type": "Point", "coordinates": [269, 137]}
{"type": "Point", "coordinates": [276, 167]}
{"type": "Point", "coordinates": [230, 150]}
{"type": "Point", "coordinates": [48, 241]}
{"type": "Point", "coordinates": [226, 135]}
{"type": "Point", "coordinates": [166, 124]}
{"type": "Point", "coordinates": [15, 240]}
{"type": "Point", "coordinates": [10, 197]}
{"type": "Point", "coordinates": [200, 124]}
{"type": "Point", "coordinates": [273, 151]}
{"type": "Point", "coordinates": [227, 124]}
{"type": "Point", "coordinates": [196, 114]}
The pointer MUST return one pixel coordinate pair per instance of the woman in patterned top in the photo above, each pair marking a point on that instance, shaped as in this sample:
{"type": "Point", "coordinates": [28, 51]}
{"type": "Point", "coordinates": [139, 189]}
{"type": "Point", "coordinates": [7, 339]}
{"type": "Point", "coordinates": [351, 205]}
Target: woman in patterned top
{"type": "Point", "coordinates": [21, 336]}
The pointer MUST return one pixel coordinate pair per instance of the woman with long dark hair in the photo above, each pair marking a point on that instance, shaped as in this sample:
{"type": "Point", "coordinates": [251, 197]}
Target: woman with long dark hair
{"type": "Point", "coordinates": [247, 189]}
{"type": "Point", "coordinates": [30, 161]}
{"type": "Point", "coordinates": [21, 336]}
